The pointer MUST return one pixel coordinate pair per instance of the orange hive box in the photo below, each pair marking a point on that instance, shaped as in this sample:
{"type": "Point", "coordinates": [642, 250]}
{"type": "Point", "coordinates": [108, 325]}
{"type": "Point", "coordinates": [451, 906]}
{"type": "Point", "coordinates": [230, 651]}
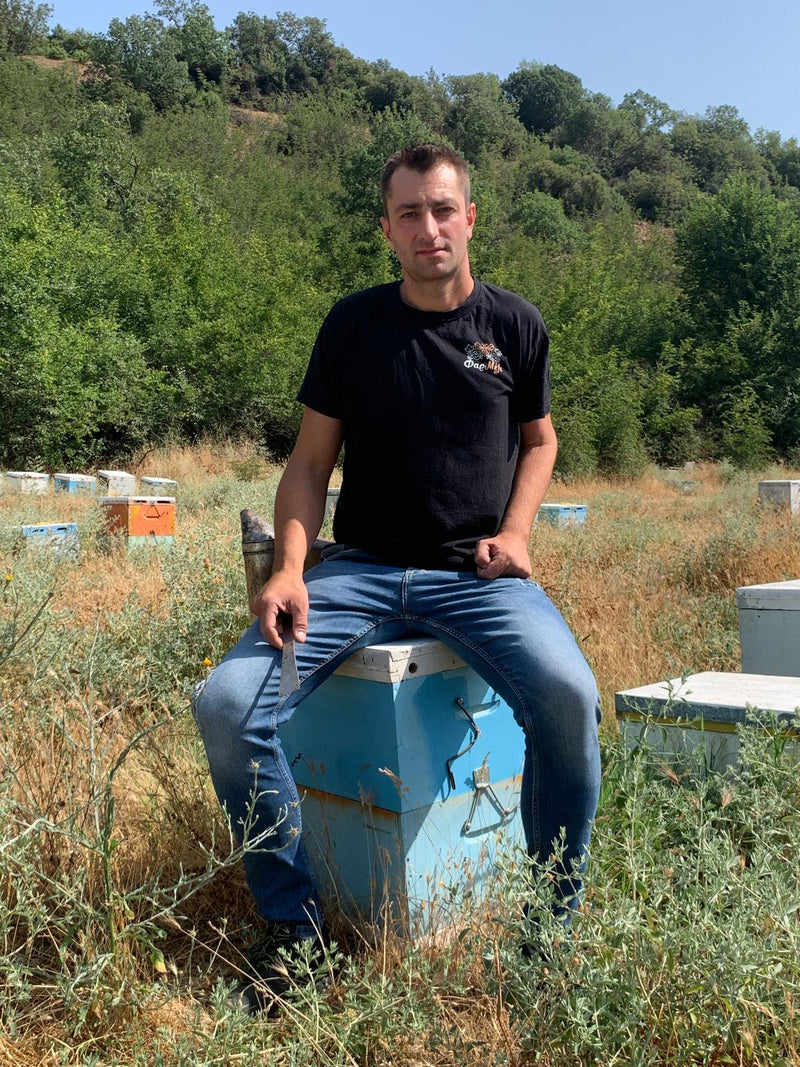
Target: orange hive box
{"type": "Point", "coordinates": [142, 519]}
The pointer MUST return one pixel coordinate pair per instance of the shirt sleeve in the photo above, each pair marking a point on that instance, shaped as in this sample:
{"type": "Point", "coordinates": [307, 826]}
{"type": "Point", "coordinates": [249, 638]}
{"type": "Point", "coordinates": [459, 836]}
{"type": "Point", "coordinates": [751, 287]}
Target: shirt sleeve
{"type": "Point", "coordinates": [531, 398]}
{"type": "Point", "coordinates": [321, 389]}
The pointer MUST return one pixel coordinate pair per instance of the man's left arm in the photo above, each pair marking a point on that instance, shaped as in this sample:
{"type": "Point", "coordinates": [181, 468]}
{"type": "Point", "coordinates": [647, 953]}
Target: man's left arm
{"type": "Point", "coordinates": [506, 554]}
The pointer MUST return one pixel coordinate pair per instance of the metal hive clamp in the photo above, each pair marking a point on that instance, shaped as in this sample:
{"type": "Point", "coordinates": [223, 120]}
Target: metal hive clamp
{"type": "Point", "coordinates": [481, 778]}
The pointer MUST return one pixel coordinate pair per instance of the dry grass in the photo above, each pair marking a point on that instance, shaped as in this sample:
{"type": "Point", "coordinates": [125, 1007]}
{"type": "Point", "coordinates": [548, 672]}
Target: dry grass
{"type": "Point", "coordinates": [647, 586]}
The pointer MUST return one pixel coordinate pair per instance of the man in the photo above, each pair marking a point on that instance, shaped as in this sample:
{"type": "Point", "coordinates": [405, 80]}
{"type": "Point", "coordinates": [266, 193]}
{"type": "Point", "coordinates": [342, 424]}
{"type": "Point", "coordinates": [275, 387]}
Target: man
{"type": "Point", "coordinates": [438, 387]}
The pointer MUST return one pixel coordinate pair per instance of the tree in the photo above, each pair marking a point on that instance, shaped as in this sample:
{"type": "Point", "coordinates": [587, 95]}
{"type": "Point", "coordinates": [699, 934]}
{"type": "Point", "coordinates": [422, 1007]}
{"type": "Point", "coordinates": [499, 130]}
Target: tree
{"type": "Point", "coordinates": [545, 94]}
{"type": "Point", "coordinates": [145, 55]}
{"type": "Point", "coordinates": [23, 26]}
{"type": "Point", "coordinates": [480, 118]}
{"type": "Point", "coordinates": [541, 216]}
{"type": "Point", "coordinates": [738, 249]}
{"type": "Point", "coordinates": [95, 160]}
{"type": "Point", "coordinates": [782, 157]}
{"type": "Point", "coordinates": [259, 57]}
{"type": "Point", "coordinates": [740, 253]}
{"type": "Point", "coordinates": [716, 147]}
{"type": "Point", "coordinates": [647, 112]}
{"type": "Point", "coordinates": [199, 44]}
{"type": "Point", "coordinates": [600, 132]}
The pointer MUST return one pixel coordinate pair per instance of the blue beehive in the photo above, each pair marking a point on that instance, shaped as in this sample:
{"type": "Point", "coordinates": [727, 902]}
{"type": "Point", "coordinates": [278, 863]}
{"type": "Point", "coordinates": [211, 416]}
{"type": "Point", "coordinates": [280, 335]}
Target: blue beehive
{"type": "Point", "coordinates": [59, 537]}
{"type": "Point", "coordinates": [409, 766]}
{"type": "Point", "coordinates": [563, 514]}
{"type": "Point", "coordinates": [74, 483]}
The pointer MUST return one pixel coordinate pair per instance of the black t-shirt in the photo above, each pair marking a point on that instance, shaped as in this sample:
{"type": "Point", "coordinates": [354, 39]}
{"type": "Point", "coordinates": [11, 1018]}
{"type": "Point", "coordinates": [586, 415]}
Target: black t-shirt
{"type": "Point", "coordinates": [430, 404]}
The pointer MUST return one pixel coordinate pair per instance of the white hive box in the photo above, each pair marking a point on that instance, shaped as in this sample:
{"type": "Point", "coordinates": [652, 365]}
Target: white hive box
{"type": "Point", "coordinates": [769, 627]}
{"type": "Point", "coordinates": [402, 815]}
{"type": "Point", "coordinates": [28, 482]}
{"type": "Point", "coordinates": [704, 710]}
{"type": "Point", "coordinates": [116, 483]}
{"type": "Point", "coordinates": [780, 493]}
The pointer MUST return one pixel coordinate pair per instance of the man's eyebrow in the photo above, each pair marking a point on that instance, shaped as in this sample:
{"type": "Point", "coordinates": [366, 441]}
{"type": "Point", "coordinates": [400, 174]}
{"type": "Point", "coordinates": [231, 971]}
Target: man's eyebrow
{"type": "Point", "coordinates": [445, 200]}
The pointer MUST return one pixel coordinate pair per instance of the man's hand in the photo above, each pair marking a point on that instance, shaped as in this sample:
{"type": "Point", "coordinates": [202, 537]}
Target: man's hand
{"type": "Point", "coordinates": [503, 556]}
{"type": "Point", "coordinates": [282, 608]}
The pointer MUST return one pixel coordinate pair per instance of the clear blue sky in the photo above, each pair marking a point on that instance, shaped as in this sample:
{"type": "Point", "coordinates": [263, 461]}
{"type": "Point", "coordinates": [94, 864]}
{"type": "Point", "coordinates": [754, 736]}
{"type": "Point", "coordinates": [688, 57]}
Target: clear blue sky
{"type": "Point", "coordinates": [692, 54]}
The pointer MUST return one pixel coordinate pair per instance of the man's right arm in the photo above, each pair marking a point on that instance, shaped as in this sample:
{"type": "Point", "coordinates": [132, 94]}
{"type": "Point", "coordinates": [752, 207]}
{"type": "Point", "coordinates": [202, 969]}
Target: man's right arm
{"type": "Point", "coordinates": [299, 508]}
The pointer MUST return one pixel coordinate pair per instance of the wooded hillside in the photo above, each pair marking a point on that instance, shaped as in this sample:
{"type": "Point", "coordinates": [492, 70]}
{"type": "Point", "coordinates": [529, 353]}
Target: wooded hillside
{"type": "Point", "coordinates": [180, 205]}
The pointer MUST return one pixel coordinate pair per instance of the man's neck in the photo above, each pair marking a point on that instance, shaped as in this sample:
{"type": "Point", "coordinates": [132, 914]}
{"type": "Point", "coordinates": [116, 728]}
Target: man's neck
{"type": "Point", "coordinates": [446, 295]}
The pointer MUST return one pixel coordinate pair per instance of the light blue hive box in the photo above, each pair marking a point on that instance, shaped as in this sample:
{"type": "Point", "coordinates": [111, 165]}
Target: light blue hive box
{"type": "Point", "coordinates": [74, 483]}
{"type": "Point", "coordinates": [563, 514]}
{"type": "Point", "coordinates": [402, 816]}
{"type": "Point", "coordinates": [157, 486]}
{"type": "Point", "coordinates": [60, 538]}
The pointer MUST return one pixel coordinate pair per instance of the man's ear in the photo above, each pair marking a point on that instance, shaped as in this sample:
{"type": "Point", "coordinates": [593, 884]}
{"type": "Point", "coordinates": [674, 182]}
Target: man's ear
{"type": "Point", "coordinates": [471, 212]}
{"type": "Point", "coordinates": [387, 230]}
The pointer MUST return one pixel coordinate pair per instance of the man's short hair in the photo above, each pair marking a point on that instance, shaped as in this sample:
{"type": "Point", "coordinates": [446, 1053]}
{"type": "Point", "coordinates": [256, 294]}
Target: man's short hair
{"type": "Point", "coordinates": [423, 158]}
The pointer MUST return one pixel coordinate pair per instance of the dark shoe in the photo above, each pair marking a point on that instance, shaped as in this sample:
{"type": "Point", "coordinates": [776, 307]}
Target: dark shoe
{"type": "Point", "coordinates": [285, 957]}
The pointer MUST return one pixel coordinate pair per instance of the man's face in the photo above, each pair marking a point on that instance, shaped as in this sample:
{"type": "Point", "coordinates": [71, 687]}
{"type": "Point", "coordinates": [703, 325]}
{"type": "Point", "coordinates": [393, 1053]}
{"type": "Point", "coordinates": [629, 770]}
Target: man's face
{"type": "Point", "coordinates": [429, 224]}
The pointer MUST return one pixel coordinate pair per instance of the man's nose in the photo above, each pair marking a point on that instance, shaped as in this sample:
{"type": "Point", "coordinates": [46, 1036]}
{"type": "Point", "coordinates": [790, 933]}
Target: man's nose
{"type": "Point", "coordinates": [428, 224]}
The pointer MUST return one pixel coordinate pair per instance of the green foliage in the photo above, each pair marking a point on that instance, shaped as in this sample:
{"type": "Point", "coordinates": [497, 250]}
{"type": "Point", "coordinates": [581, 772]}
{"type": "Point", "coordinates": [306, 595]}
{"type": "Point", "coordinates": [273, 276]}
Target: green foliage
{"type": "Point", "coordinates": [228, 181]}
{"type": "Point", "coordinates": [744, 436]}
{"type": "Point", "coordinates": [33, 105]}
{"type": "Point", "coordinates": [480, 121]}
{"type": "Point", "coordinates": [740, 253]}
{"type": "Point", "coordinates": [542, 216]}
{"type": "Point", "coordinates": [741, 247]}
{"type": "Point", "coordinates": [23, 26]}
{"type": "Point", "coordinates": [143, 53]}
{"type": "Point", "coordinates": [716, 147]}
{"type": "Point", "coordinates": [545, 94]}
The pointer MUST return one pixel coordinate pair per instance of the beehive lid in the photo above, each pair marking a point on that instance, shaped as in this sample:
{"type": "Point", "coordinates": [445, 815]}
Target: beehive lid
{"type": "Point", "coordinates": [116, 500]}
{"type": "Point", "coordinates": [396, 661]}
{"type": "Point", "coordinates": [772, 596]}
{"type": "Point", "coordinates": [715, 695]}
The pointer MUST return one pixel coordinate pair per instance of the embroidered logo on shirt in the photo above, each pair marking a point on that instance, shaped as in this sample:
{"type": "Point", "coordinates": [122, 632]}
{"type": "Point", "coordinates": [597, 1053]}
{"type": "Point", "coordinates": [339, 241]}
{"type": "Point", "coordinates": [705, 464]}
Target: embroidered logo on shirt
{"type": "Point", "coordinates": [484, 356]}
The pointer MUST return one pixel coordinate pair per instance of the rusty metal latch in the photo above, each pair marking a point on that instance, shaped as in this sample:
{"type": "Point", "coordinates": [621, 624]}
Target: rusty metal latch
{"type": "Point", "coordinates": [482, 781]}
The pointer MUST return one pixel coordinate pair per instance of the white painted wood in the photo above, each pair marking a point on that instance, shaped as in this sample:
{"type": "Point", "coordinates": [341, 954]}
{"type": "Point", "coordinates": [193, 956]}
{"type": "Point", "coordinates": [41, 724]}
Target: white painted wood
{"type": "Point", "coordinates": [396, 661]}
{"type": "Point", "coordinates": [32, 482]}
{"type": "Point", "coordinates": [703, 712]}
{"type": "Point", "coordinates": [716, 695]}
{"type": "Point", "coordinates": [116, 483]}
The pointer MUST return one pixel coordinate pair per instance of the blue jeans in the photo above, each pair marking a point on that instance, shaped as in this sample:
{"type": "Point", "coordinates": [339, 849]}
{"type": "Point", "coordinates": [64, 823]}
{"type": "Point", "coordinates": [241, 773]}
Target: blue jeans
{"type": "Point", "coordinates": [506, 629]}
